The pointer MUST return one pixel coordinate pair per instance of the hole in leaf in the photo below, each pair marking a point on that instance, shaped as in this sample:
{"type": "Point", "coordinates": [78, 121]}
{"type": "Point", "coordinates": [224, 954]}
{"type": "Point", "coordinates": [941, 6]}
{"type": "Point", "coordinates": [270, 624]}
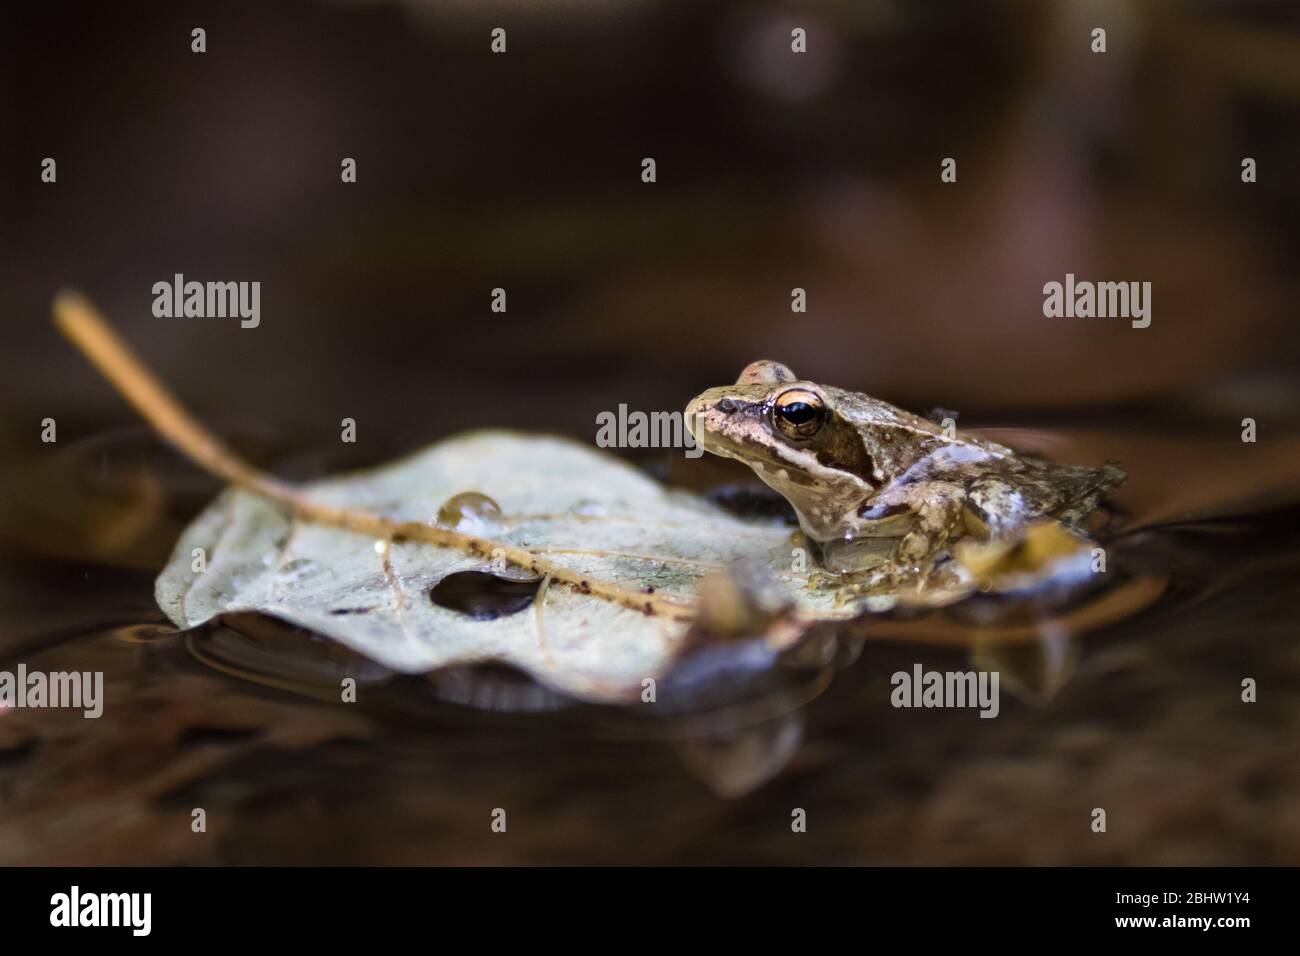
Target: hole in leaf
{"type": "Point", "coordinates": [483, 596]}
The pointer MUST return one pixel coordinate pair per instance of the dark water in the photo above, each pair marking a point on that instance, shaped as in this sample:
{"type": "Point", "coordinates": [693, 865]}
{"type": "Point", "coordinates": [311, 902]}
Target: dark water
{"type": "Point", "coordinates": [1128, 699]}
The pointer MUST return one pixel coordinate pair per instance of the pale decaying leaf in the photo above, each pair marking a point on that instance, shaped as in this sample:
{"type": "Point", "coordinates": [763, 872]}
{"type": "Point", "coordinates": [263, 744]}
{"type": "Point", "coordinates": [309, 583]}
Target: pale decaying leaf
{"type": "Point", "coordinates": [579, 507]}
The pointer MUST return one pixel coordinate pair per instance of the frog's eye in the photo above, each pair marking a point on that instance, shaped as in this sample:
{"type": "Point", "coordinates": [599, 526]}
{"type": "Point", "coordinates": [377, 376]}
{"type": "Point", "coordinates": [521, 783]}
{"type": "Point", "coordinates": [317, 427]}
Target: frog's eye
{"type": "Point", "coordinates": [798, 413]}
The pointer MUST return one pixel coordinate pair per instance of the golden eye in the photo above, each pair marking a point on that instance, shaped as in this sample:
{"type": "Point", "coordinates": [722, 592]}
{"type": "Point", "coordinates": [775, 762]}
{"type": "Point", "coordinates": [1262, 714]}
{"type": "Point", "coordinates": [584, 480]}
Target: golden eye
{"type": "Point", "coordinates": [798, 413]}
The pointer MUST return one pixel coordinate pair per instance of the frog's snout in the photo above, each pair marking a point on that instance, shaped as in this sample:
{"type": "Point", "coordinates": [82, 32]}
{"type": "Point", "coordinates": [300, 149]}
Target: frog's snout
{"type": "Point", "coordinates": [727, 419]}
{"type": "Point", "coordinates": [696, 409]}
{"type": "Point", "coordinates": [707, 417]}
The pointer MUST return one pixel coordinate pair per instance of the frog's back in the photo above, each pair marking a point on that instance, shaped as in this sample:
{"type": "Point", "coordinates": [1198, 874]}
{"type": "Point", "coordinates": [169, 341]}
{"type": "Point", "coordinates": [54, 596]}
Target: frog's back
{"type": "Point", "coordinates": [912, 448]}
{"type": "Point", "coordinates": [1046, 489]}
{"type": "Point", "coordinates": [873, 415]}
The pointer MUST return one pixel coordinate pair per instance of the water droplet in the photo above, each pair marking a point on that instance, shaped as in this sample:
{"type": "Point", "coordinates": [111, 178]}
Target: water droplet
{"type": "Point", "coordinates": [470, 511]}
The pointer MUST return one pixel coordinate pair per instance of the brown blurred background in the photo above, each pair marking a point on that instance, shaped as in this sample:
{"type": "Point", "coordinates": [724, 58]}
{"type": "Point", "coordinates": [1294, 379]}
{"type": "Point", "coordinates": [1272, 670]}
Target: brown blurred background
{"type": "Point", "coordinates": [522, 171]}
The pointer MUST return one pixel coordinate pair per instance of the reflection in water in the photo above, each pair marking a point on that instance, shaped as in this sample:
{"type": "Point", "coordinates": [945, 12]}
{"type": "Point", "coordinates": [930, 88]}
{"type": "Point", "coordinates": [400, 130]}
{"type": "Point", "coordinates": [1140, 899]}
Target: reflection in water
{"type": "Point", "coordinates": [270, 652]}
{"type": "Point", "coordinates": [739, 761]}
{"type": "Point", "coordinates": [489, 687]}
{"type": "Point", "coordinates": [1032, 670]}
{"type": "Point", "coordinates": [144, 633]}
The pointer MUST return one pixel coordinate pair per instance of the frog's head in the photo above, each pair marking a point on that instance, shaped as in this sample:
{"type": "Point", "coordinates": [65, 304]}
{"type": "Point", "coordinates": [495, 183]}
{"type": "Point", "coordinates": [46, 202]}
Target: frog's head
{"type": "Point", "coordinates": [791, 433]}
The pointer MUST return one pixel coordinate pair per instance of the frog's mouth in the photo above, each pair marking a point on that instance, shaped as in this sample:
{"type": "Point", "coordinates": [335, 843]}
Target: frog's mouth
{"type": "Point", "coordinates": [732, 426]}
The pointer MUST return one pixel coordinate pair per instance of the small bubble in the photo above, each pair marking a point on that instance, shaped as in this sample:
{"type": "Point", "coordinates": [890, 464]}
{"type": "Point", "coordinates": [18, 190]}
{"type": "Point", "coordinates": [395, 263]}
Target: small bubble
{"type": "Point", "coordinates": [469, 511]}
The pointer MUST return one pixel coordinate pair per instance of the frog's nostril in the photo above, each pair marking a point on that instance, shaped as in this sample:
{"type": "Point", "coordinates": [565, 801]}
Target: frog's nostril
{"type": "Point", "coordinates": [726, 406]}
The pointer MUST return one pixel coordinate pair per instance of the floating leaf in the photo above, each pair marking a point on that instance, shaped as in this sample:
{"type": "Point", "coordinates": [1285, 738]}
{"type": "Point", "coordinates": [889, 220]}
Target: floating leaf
{"type": "Point", "coordinates": [558, 499]}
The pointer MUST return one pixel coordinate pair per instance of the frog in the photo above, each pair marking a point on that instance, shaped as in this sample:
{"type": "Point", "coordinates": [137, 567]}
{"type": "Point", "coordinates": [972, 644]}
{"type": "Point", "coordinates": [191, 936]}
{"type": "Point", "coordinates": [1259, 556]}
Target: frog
{"type": "Point", "coordinates": [862, 474]}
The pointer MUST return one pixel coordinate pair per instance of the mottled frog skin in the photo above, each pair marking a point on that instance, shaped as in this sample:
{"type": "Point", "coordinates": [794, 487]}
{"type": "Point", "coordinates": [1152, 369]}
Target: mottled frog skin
{"type": "Point", "coordinates": [858, 470]}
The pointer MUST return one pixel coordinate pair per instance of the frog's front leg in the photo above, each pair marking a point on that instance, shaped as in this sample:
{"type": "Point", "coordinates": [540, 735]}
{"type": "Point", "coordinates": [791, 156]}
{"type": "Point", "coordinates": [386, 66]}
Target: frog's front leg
{"type": "Point", "coordinates": [937, 507]}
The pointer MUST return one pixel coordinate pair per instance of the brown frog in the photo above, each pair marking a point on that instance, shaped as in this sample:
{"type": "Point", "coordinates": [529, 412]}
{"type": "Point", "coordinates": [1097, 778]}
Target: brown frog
{"type": "Point", "coordinates": [858, 470]}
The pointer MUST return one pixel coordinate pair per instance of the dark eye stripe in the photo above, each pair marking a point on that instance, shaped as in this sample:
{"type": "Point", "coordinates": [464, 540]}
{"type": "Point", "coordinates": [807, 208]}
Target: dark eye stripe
{"type": "Point", "coordinates": [840, 446]}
